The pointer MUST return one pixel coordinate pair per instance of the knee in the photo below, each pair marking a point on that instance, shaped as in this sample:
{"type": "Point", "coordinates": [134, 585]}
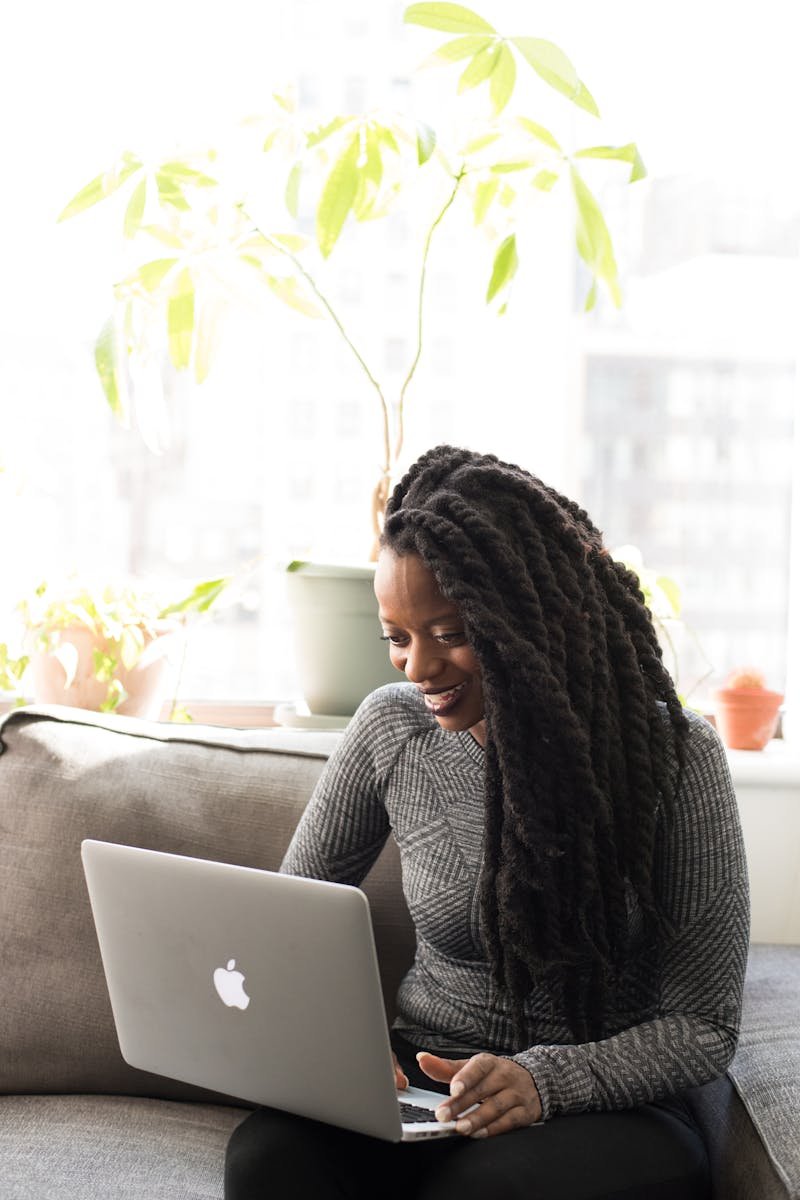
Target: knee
{"type": "Point", "coordinates": [260, 1156]}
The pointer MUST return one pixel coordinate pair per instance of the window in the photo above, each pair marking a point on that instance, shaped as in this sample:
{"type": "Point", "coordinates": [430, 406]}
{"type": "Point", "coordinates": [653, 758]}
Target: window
{"type": "Point", "coordinates": [673, 419]}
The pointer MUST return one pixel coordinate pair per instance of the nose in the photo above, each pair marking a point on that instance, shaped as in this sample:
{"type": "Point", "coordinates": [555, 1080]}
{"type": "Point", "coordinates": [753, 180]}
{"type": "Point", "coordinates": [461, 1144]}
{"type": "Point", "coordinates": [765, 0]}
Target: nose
{"type": "Point", "coordinates": [421, 663]}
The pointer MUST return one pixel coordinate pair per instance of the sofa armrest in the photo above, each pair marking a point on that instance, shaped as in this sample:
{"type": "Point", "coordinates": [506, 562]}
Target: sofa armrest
{"type": "Point", "coordinates": [751, 1117]}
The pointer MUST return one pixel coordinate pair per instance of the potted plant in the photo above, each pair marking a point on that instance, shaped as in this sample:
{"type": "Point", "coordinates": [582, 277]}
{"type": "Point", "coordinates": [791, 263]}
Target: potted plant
{"type": "Point", "coordinates": [678, 640]}
{"type": "Point", "coordinates": [197, 227]}
{"type": "Point", "coordinates": [105, 648]}
{"type": "Point", "coordinates": [746, 710]}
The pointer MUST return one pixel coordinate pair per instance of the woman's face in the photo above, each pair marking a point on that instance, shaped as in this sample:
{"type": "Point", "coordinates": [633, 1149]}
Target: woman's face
{"type": "Point", "coordinates": [427, 640]}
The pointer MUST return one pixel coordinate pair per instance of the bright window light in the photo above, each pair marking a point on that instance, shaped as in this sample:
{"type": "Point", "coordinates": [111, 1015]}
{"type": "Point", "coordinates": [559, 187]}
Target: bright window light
{"type": "Point", "coordinates": [673, 418]}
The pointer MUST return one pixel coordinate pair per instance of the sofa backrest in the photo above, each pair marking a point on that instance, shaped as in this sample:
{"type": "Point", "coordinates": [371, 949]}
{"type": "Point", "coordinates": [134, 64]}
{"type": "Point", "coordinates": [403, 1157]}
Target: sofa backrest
{"type": "Point", "coordinates": [65, 775]}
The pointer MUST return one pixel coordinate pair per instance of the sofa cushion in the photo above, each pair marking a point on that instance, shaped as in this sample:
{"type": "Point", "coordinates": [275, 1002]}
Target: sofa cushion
{"type": "Point", "coordinates": [94, 1148]}
{"type": "Point", "coordinates": [766, 1068]}
{"type": "Point", "coordinates": [65, 775]}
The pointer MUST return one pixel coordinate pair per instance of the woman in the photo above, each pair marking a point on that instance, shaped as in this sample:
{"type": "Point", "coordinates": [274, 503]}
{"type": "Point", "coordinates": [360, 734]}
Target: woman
{"type": "Point", "coordinates": [571, 858]}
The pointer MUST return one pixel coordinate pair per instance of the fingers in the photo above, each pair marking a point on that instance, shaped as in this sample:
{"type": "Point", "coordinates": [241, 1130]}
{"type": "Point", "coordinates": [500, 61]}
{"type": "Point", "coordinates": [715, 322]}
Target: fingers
{"type": "Point", "coordinates": [504, 1091]}
{"type": "Point", "coordinates": [400, 1077]}
{"type": "Point", "coordinates": [440, 1069]}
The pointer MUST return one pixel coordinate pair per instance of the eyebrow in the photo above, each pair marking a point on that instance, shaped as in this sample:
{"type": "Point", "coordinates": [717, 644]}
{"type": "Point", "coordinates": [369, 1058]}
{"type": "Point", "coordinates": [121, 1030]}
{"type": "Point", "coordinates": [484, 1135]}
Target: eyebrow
{"type": "Point", "coordinates": [450, 616]}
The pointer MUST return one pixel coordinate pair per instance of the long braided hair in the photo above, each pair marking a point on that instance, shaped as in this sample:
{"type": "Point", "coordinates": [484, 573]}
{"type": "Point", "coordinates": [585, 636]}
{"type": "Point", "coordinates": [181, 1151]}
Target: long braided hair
{"type": "Point", "coordinates": [578, 752]}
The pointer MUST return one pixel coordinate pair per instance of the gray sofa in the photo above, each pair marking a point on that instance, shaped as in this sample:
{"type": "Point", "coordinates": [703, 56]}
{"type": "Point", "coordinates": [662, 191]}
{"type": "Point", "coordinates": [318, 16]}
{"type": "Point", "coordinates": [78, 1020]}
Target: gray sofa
{"type": "Point", "coordinates": [75, 1120]}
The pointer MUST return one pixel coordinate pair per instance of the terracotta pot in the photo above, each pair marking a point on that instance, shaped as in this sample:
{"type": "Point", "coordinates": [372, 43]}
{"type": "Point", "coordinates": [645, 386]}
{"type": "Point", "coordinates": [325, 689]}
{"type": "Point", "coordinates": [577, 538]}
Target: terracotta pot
{"type": "Point", "coordinates": [746, 717]}
{"type": "Point", "coordinates": [146, 684]}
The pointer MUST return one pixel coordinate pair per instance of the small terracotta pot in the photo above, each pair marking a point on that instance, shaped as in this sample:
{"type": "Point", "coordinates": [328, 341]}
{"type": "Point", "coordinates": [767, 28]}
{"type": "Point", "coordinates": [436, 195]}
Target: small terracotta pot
{"type": "Point", "coordinates": [746, 717]}
{"type": "Point", "coordinates": [146, 683]}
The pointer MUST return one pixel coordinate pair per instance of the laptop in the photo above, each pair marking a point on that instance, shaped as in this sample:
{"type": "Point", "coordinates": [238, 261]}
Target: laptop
{"type": "Point", "coordinates": [264, 987]}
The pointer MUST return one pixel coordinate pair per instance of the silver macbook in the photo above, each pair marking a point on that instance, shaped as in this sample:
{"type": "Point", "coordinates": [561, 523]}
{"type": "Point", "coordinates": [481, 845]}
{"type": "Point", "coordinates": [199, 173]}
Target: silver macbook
{"type": "Point", "coordinates": [262, 986]}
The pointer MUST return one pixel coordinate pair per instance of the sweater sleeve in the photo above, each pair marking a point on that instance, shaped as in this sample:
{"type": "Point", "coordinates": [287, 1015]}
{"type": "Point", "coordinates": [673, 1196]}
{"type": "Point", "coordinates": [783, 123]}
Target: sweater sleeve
{"type": "Point", "coordinates": [345, 824]}
{"type": "Point", "coordinates": [702, 880]}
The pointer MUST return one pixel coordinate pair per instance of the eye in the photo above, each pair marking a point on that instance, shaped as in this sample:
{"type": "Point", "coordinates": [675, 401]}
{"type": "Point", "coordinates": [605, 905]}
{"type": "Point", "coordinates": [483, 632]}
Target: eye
{"type": "Point", "coordinates": [451, 639]}
{"type": "Point", "coordinates": [394, 639]}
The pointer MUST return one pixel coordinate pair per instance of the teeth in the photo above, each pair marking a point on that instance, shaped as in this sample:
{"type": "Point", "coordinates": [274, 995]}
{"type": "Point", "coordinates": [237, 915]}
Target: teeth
{"type": "Point", "coordinates": [442, 698]}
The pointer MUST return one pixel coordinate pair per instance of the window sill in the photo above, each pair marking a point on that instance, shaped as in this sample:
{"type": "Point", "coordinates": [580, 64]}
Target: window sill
{"type": "Point", "coordinates": [235, 714]}
{"type": "Point", "coordinates": [778, 765]}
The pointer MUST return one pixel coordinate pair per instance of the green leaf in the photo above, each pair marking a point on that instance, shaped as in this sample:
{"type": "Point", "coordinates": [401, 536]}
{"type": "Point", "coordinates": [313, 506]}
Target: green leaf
{"type": "Point", "coordinates": [200, 599]}
{"type": "Point", "coordinates": [507, 168]}
{"type": "Point", "coordinates": [385, 136]}
{"type": "Point", "coordinates": [450, 18]}
{"type": "Point", "coordinates": [106, 361]}
{"type": "Point", "coordinates": [289, 291]}
{"type": "Point", "coordinates": [426, 142]}
{"type": "Point", "coordinates": [151, 274]}
{"type": "Point", "coordinates": [458, 48]}
{"type": "Point", "coordinates": [104, 665]}
{"type": "Point", "coordinates": [545, 180]}
{"type": "Point", "coordinates": [292, 195]}
{"type": "Point", "coordinates": [115, 696]}
{"type": "Point", "coordinates": [131, 645]}
{"type": "Point", "coordinates": [205, 339]}
{"type": "Point", "coordinates": [671, 592]}
{"type": "Point", "coordinates": [585, 99]}
{"type": "Point", "coordinates": [485, 193]}
{"type": "Point", "coordinates": [101, 186]}
{"type": "Point", "coordinates": [338, 196]}
{"type": "Point", "coordinates": [480, 143]}
{"type": "Point", "coordinates": [182, 171]}
{"type": "Point", "coordinates": [479, 68]}
{"type": "Point", "coordinates": [94, 191]}
{"type": "Point", "coordinates": [507, 195]}
{"type": "Point", "coordinates": [180, 715]}
{"type": "Point", "coordinates": [370, 172]}
{"type": "Point", "coordinates": [503, 79]}
{"type": "Point", "coordinates": [315, 136]}
{"type": "Point", "coordinates": [170, 192]}
{"type": "Point", "coordinates": [11, 669]}
{"type": "Point", "coordinates": [135, 211]}
{"type": "Point", "coordinates": [505, 266]}
{"type": "Point", "coordinates": [539, 132]}
{"type": "Point", "coordinates": [297, 564]}
{"type": "Point", "coordinates": [628, 153]}
{"type": "Point", "coordinates": [180, 320]}
{"type": "Point", "coordinates": [285, 100]}
{"type": "Point", "coordinates": [593, 239]}
{"type": "Point", "coordinates": [591, 297]}
{"type": "Point", "coordinates": [292, 241]}
{"type": "Point", "coordinates": [552, 65]}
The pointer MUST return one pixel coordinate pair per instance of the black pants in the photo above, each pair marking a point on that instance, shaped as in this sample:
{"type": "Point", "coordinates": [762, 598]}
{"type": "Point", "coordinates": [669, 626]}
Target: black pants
{"type": "Point", "coordinates": [649, 1153]}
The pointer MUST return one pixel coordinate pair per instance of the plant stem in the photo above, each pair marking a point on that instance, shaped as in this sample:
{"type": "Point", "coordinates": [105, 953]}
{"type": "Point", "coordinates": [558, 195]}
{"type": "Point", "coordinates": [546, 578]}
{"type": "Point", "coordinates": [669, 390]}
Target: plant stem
{"type": "Point", "coordinates": [287, 253]}
{"type": "Point", "coordinates": [179, 677]}
{"type": "Point", "coordinates": [398, 446]}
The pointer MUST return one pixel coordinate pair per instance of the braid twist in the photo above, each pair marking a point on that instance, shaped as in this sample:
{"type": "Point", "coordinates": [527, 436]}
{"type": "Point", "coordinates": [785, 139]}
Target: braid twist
{"type": "Point", "coordinates": [578, 758]}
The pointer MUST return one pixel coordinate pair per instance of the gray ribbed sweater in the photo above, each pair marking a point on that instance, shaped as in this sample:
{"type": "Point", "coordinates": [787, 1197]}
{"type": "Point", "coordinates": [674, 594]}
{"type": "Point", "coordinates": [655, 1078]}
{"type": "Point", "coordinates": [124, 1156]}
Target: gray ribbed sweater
{"type": "Point", "coordinates": [675, 1026]}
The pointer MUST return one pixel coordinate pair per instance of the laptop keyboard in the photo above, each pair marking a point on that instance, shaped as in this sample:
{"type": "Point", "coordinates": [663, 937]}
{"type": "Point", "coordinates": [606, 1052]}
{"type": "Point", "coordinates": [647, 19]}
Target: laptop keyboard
{"type": "Point", "coordinates": [413, 1113]}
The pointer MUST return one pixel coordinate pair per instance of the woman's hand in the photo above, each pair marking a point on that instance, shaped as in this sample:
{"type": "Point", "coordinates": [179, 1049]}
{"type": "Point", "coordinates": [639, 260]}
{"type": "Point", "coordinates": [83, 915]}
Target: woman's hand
{"type": "Point", "coordinates": [400, 1078]}
{"type": "Point", "coordinates": [504, 1090]}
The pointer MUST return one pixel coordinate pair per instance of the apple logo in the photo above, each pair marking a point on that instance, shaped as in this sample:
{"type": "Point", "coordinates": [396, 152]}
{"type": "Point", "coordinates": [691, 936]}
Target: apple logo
{"type": "Point", "coordinates": [230, 985]}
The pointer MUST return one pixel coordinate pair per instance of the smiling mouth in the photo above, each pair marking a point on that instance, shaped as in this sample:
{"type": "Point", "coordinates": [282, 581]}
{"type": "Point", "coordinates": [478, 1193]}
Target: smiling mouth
{"type": "Point", "coordinates": [441, 702]}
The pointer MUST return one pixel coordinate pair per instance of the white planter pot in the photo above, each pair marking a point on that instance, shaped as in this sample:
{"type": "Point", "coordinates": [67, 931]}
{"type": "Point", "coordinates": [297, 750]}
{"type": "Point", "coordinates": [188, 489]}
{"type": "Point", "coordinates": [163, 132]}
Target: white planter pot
{"type": "Point", "coordinates": [340, 657]}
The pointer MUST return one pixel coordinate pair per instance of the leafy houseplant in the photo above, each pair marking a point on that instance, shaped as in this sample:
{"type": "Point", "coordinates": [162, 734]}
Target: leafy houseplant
{"type": "Point", "coordinates": [101, 648]}
{"type": "Point", "coordinates": [195, 231]}
{"type": "Point", "coordinates": [746, 710]}
{"type": "Point", "coordinates": [193, 221]}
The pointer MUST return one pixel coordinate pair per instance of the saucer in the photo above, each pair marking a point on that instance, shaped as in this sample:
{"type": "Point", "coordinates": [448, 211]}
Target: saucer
{"type": "Point", "coordinates": [296, 716]}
